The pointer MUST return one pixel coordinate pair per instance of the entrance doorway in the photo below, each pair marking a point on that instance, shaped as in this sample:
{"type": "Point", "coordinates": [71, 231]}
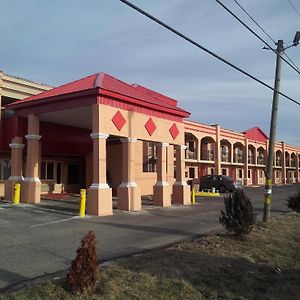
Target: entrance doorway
{"type": "Point", "coordinates": [75, 177]}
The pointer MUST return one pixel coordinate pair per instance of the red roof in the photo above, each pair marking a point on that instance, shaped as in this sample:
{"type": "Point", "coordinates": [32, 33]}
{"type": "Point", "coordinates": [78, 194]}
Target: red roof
{"type": "Point", "coordinates": [102, 82]}
{"type": "Point", "coordinates": [256, 134]}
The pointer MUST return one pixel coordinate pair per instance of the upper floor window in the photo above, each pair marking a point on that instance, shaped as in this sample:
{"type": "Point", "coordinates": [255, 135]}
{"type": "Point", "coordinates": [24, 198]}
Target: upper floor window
{"type": "Point", "coordinates": [224, 150]}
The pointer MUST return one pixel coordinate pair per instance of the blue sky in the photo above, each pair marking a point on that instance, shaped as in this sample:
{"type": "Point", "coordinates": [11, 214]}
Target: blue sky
{"type": "Point", "coordinates": [58, 41]}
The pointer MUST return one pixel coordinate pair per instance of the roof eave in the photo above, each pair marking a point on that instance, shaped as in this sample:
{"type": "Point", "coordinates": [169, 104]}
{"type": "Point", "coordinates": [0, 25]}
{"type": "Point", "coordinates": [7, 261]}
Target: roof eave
{"type": "Point", "coordinates": [112, 94]}
{"type": "Point", "coordinates": [21, 104]}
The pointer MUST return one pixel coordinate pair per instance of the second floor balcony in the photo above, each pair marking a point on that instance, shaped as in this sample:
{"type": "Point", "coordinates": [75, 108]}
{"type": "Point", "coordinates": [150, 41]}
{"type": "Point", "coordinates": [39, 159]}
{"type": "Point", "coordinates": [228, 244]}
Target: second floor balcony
{"type": "Point", "coordinates": [207, 155]}
{"type": "Point", "coordinates": [278, 162]}
{"type": "Point", "coordinates": [239, 159]}
{"type": "Point", "coordinates": [191, 155]}
{"type": "Point", "coordinates": [261, 160]}
{"type": "Point", "coordinates": [251, 160]}
{"type": "Point", "coordinates": [225, 157]}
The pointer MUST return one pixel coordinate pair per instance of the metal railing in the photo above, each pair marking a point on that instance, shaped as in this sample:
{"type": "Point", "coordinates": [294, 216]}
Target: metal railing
{"type": "Point", "coordinates": [190, 154]}
{"type": "Point", "coordinates": [207, 155]}
{"type": "Point", "coordinates": [238, 159]}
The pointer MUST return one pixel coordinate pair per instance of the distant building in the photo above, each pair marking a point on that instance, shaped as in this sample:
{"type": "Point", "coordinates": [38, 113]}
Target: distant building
{"type": "Point", "coordinates": [12, 89]}
{"type": "Point", "coordinates": [121, 140]}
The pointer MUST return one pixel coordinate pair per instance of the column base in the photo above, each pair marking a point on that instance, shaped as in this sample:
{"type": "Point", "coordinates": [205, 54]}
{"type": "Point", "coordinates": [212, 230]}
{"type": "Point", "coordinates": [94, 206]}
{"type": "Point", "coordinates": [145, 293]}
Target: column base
{"type": "Point", "coordinates": [181, 194]}
{"type": "Point", "coordinates": [129, 198]}
{"type": "Point", "coordinates": [162, 195]}
{"type": "Point", "coordinates": [99, 202]}
{"type": "Point", "coordinates": [31, 192]}
{"type": "Point", "coordinates": [9, 189]}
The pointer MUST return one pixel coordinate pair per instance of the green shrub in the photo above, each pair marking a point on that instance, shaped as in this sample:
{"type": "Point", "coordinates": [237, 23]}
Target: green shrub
{"type": "Point", "coordinates": [85, 268]}
{"type": "Point", "coordinates": [293, 202]}
{"type": "Point", "coordinates": [238, 216]}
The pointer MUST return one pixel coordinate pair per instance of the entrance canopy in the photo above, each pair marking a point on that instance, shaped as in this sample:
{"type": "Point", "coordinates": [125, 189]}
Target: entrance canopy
{"type": "Point", "coordinates": [122, 107]}
{"type": "Point", "coordinates": [105, 107]}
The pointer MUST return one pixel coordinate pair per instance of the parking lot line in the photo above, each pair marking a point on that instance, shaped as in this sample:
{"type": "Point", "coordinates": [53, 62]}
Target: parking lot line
{"type": "Point", "coordinates": [54, 222]}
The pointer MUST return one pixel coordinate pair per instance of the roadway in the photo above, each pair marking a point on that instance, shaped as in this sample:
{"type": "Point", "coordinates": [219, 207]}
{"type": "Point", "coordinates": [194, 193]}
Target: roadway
{"type": "Point", "coordinates": [39, 242]}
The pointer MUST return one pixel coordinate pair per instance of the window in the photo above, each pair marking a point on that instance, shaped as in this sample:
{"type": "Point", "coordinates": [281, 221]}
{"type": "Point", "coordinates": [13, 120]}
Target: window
{"type": "Point", "coordinates": [4, 169]}
{"type": "Point", "coordinates": [224, 150]}
{"type": "Point", "coordinates": [224, 172]}
{"type": "Point", "coordinates": [191, 172]}
{"type": "Point", "coordinates": [191, 146]}
{"type": "Point", "coordinates": [47, 170]}
{"type": "Point", "coordinates": [149, 157]}
{"type": "Point", "coordinates": [190, 152]}
{"type": "Point", "coordinates": [240, 173]}
{"type": "Point", "coordinates": [249, 173]}
{"type": "Point", "coordinates": [251, 156]}
{"type": "Point", "coordinates": [212, 170]}
{"type": "Point", "coordinates": [240, 152]}
{"type": "Point", "coordinates": [260, 158]}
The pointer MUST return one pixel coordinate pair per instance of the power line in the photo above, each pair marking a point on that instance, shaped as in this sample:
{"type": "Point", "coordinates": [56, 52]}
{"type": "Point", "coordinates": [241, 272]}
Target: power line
{"type": "Point", "coordinates": [291, 61]}
{"type": "Point", "coordinates": [203, 48]}
{"type": "Point", "coordinates": [268, 35]}
{"type": "Point", "coordinates": [244, 10]}
{"type": "Point", "coordinates": [254, 33]}
{"type": "Point", "coordinates": [294, 7]}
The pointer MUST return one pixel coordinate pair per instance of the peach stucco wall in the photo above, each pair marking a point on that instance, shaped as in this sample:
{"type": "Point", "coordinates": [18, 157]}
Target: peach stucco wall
{"type": "Point", "coordinates": [114, 165]}
{"type": "Point", "coordinates": [134, 126]}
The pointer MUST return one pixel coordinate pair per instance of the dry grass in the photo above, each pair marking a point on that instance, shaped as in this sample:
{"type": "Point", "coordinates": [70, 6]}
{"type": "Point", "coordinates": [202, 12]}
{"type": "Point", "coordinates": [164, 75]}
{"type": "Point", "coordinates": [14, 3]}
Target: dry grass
{"type": "Point", "coordinates": [265, 266]}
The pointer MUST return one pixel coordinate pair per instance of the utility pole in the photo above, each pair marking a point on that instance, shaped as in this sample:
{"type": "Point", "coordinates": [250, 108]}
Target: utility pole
{"type": "Point", "coordinates": [269, 170]}
{"type": "Point", "coordinates": [272, 136]}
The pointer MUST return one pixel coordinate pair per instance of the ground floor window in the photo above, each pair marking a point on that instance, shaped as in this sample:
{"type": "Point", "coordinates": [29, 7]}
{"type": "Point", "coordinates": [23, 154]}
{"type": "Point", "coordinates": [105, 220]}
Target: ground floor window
{"type": "Point", "coordinates": [191, 172]}
{"type": "Point", "coordinates": [224, 171]}
{"type": "Point", "coordinates": [149, 157]}
{"type": "Point", "coordinates": [249, 173]}
{"type": "Point", "coordinates": [240, 174]}
{"type": "Point", "coordinates": [4, 169]}
{"type": "Point", "coordinates": [261, 174]}
{"type": "Point", "coordinates": [212, 171]}
{"type": "Point", "coordinates": [47, 170]}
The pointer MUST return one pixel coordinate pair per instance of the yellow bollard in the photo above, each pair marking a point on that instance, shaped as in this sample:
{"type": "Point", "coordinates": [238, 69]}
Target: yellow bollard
{"type": "Point", "coordinates": [193, 195]}
{"type": "Point", "coordinates": [17, 192]}
{"type": "Point", "coordinates": [82, 203]}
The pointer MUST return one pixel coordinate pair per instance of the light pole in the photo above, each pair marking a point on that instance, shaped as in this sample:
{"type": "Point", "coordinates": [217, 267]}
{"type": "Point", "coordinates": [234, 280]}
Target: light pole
{"type": "Point", "coordinates": [269, 170]}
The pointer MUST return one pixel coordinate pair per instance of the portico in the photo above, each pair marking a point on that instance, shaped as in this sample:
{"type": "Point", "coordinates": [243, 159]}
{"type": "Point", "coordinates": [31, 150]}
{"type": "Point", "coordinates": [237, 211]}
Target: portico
{"type": "Point", "coordinates": [96, 109]}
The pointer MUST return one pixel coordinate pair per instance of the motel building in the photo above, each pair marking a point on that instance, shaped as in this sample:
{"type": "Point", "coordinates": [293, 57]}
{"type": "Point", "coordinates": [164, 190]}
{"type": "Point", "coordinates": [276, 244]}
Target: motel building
{"type": "Point", "coordinates": [120, 141]}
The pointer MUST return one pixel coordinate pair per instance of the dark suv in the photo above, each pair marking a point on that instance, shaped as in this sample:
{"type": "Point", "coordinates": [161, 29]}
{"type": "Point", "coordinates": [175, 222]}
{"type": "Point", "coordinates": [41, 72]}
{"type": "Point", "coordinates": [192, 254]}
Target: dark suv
{"type": "Point", "coordinates": [221, 183]}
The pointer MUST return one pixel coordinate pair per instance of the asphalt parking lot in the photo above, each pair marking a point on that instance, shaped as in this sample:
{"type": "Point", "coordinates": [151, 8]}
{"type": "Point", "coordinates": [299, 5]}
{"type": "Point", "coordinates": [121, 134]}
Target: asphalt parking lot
{"type": "Point", "coordinates": [40, 240]}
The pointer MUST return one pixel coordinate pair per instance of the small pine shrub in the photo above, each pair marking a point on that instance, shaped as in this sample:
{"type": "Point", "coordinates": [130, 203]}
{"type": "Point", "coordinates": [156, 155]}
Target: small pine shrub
{"type": "Point", "coordinates": [238, 216]}
{"type": "Point", "coordinates": [85, 268]}
{"type": "Point", "coordinates": [293, 202]}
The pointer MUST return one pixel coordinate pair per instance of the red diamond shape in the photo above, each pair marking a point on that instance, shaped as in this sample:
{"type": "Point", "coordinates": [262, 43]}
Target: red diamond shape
{"type": "Point", "coordinates": [118, 120]}
{"type": "Point", "coordinates": [150, 126]}
{"type": "Point", "coordinates": [174, 131]}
